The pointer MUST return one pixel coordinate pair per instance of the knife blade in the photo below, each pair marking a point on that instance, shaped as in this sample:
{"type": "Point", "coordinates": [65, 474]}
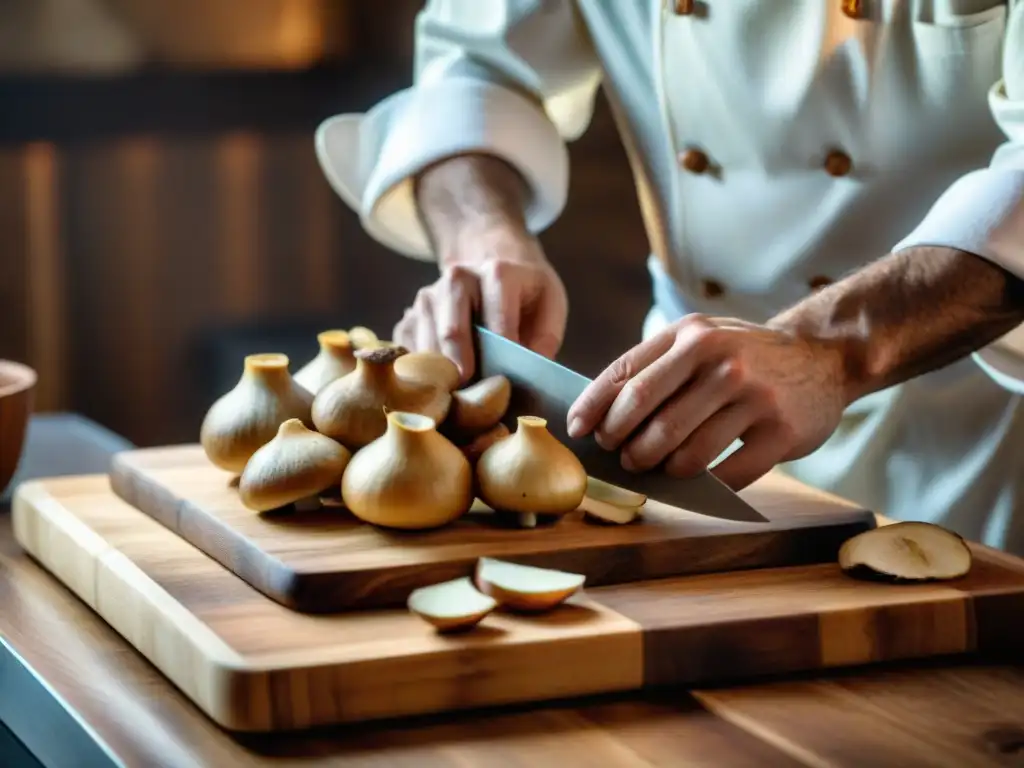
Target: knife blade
{"type": "Point", "coordinates": [544, 388]}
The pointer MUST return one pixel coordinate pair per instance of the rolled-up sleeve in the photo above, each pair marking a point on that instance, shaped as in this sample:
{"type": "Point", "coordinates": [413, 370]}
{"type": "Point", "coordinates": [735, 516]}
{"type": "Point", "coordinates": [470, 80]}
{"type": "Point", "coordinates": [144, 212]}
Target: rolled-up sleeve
{"type": "Point", "coordinates": [983, 212]}
{"type": "Point", "coordinates": [515, 79]}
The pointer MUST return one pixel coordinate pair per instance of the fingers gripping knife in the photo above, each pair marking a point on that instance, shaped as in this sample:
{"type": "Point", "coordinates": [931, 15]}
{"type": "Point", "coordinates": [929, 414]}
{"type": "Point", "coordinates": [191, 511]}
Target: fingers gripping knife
{"type": "Point", "coordinates": [542, 387]}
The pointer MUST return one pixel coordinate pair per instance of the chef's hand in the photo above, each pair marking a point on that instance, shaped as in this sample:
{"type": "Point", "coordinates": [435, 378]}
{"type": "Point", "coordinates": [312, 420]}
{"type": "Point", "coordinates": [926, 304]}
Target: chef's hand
{"type": "Point", "coordinates": [500, 272]}
{"type": "Point", "coordinates": [704, 382]}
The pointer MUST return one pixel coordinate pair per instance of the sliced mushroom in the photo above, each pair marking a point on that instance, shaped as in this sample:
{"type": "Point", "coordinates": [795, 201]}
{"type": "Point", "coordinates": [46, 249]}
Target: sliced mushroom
{"type": "Point", "coordinates": [452, 605]}
{"type": "Point", "coordinates": [908, 551]}
{"type": "Point", "coordinates": [525, 587]}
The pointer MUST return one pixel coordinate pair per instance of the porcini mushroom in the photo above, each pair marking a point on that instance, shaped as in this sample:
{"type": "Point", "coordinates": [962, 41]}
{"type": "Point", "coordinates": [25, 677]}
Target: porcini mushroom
{"type": "Point", "coordinates": [603, 512]}
{"type": "Point", "coordinates": [474, 449]}
{"type": "Point", "coordinates": [298, 464]}
{"type": "Point", "coordinates": [452, 605]}
{"type": "Point", "coordinates": [609, 503]}
{"type": "Point", "coordinates": [411, 477]}
{"type": "Point", "coordinates": [246, 418]}
{"type": "Point", "coordinates": [431, 368]}
{"type": "Point", "coordinates": [333, 361]}
{"type": "Point", "coordinates": [525, 587]}
{"type": "Point", "coordinates": [531, 473]}
{"type": "Point", "coordinates": [479, 406]}
{"type": "Point", "coordinates": [906, 551]}
{"type": "Point", "coordinates": [352, 409]}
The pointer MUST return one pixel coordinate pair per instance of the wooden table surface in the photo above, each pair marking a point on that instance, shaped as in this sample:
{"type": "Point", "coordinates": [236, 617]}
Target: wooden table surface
{"type": "Point", "coordinates": [70, 688]}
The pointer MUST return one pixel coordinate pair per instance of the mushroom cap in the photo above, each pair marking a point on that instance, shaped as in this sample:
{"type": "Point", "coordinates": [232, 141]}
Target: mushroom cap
{"type": "Point", "coordinates": [296, 464]}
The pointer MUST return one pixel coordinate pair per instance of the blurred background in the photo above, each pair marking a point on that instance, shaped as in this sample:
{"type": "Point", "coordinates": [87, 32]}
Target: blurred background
{"type": "Point", "coordinates": [162, 213]}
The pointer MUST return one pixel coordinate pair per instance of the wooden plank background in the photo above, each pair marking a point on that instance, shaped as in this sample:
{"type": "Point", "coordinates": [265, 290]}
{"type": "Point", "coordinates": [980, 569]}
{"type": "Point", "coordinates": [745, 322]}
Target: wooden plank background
{"type": "Point", "coordinates": [125, 244]}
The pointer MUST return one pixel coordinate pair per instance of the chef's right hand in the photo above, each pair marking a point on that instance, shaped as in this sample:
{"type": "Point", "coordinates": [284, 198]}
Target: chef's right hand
{"type": "Point", "coordinates": [500, 272]}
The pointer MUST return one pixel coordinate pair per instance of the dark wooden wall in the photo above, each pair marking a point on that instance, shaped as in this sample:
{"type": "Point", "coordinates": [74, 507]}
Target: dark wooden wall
{"type": "Point", "coordinates": [175, 207]}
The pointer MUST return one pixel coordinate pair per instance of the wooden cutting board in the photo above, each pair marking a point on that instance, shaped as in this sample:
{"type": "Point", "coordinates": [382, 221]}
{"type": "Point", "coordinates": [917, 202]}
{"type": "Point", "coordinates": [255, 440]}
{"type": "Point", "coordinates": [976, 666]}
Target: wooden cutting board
{"type": "Point", "coordinates": [252, 664]}
{"type": "Point", "coordinates": [329, 561]}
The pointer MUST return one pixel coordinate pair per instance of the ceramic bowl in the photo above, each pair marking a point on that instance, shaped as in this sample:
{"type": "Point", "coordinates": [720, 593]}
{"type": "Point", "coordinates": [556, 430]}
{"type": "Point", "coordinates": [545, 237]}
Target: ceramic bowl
{"type": "Point", "coordinates": [17, 385]}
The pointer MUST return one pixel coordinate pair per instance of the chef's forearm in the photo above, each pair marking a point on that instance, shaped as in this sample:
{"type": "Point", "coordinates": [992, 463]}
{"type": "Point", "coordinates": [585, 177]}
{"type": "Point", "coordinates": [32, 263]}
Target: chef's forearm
{"type": "Point", "coordinates": [909, 313]}
{"type": "Point", "coordinates": [465, 197]}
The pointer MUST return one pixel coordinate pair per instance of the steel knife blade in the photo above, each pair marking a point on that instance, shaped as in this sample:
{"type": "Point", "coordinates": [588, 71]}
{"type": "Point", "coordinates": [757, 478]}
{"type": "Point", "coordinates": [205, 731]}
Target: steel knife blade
{"type": "Point", "coordinates": [544, 388]}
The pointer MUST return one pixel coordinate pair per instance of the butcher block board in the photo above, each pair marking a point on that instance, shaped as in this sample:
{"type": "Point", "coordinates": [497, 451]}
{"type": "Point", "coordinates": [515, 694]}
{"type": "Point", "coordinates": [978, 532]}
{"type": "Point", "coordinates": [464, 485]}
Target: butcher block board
{"type": "Point", "coordinates": [254, 665]}
{"type": "Point", "coordinates": [329, 561]}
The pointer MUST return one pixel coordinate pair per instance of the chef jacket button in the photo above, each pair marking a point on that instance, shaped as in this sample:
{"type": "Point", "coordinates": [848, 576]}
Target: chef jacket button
{"type": "Point", "coordinates": [694, 161]}
{"type": "Point", "coordinates": [712, 289]}
{"type": "Point", "coordinates": [684, 7]}
{"type": "Point", "coordinates": [838, 163]}
{"type": "Point", "coordinates": [819, 282]}
{"type": "Point", "coordinates": [853, 8]}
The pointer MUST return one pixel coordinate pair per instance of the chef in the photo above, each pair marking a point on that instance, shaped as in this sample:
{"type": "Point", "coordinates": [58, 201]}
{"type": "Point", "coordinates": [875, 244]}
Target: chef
{"type": "Point", "coordinates": [832, 191]}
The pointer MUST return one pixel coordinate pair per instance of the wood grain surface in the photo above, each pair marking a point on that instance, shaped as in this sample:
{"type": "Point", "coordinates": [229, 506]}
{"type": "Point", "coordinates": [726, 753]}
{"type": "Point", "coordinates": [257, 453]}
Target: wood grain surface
{"type": "Point", "coordinates": [891, 718]}
{"type": "Point", "coordinates": [254, 665]}
{"type": "Point", "coordinates": [139, 717]}
{"type": "Point", "coordinates": [958, 713]}
{"type": "Point", "coordinates": [329, 561]}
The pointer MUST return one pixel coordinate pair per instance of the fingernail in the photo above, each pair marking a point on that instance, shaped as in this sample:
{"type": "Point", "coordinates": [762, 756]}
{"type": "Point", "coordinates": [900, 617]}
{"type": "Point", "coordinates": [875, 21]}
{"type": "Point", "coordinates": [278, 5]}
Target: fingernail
{"type": "Point", "coordinates": [575, 427]}
{"type": "Point", "coordinates": [627, 462]}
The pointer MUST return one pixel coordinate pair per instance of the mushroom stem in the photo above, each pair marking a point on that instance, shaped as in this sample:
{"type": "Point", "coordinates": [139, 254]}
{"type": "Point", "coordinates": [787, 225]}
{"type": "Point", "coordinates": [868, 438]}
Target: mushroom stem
{"type": "Point", "coordinates": [270, 369]}
{"type": "Point", "coordinates": [307, 504]}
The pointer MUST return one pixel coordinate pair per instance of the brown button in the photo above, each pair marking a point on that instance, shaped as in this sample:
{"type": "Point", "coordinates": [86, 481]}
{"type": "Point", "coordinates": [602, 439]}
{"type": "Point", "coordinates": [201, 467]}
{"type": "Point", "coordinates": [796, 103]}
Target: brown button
{"type": "Point", "coordinates": [838, 163]}
{"type": "Point", "coordinates": [684, 7]}
{"type": "Point", "coordinates": [819, 282]}
{"type": "Point", "coordinates": [853, 8]}
{"type": "Point", "coordinates": [694, 161]}
{"type": "Point", "coordinates": [712, 289]}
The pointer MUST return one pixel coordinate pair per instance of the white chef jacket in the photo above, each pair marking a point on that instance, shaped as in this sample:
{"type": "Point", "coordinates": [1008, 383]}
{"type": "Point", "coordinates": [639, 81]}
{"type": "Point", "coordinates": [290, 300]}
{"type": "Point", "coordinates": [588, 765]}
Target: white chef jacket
{"type": "Point", "coordinates": [776, 146]}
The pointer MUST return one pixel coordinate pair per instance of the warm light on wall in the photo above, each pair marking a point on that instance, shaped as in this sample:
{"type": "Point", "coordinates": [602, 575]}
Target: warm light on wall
{"type": "Point", "coordinates": [267, 33]}
{"type": "Point", "coordinates": [119, 35]}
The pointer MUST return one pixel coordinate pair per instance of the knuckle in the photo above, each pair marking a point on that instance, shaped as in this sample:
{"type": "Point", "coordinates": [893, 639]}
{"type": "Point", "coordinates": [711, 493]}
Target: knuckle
{"type": "Point", "coordinates": [695, 320]}
{"type": "Point", "coordinates": [712, 337]}
{"type": "Point", "coordinates": [458, 278]}
{"type": "Point", "coordinates": [698, 338]}
{"type": "Point", "coordinates": [621, 371]}
{"type": "Point", "coordinates": [732, 374]}
{"type": "Point", "coordinates": [636, 392]}
{"type": "Point", "coordinates": [660, 433]}
{"type": "Point", "coordinates": [499, 270]}
{"type": "Point", "coordinates": [457, 272]}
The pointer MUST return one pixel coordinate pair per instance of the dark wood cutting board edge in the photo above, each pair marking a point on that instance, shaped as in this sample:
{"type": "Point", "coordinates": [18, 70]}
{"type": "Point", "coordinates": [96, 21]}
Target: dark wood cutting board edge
{"type": "Point", "coordinates": [253, 665]}
{"type": "Point", "coordinates": [325, 590]}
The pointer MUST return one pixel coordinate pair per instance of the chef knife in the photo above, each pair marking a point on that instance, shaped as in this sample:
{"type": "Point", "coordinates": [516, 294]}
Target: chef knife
{"type": "Point", "coordinates": [542, 387]}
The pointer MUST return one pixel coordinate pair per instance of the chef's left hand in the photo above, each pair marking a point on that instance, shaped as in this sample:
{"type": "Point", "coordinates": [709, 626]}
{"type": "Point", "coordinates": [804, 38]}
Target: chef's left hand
{"type": "Point", "coordinates": [704, 382]}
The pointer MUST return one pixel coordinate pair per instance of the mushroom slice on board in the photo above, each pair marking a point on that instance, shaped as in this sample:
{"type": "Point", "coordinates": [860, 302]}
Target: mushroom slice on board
{"type": "Point", "coordinates": [525, 587]}
{"type": "Point", "coordinates": [451, 605]}
{"type": "Point", "coordinates": [908, 551]}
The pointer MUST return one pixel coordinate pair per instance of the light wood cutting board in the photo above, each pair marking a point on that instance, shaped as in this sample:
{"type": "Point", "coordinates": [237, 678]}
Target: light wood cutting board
{"type": "Point", "coordinates": [329, 561]}
{"type": "Point", "coordinates": [252, 664]}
